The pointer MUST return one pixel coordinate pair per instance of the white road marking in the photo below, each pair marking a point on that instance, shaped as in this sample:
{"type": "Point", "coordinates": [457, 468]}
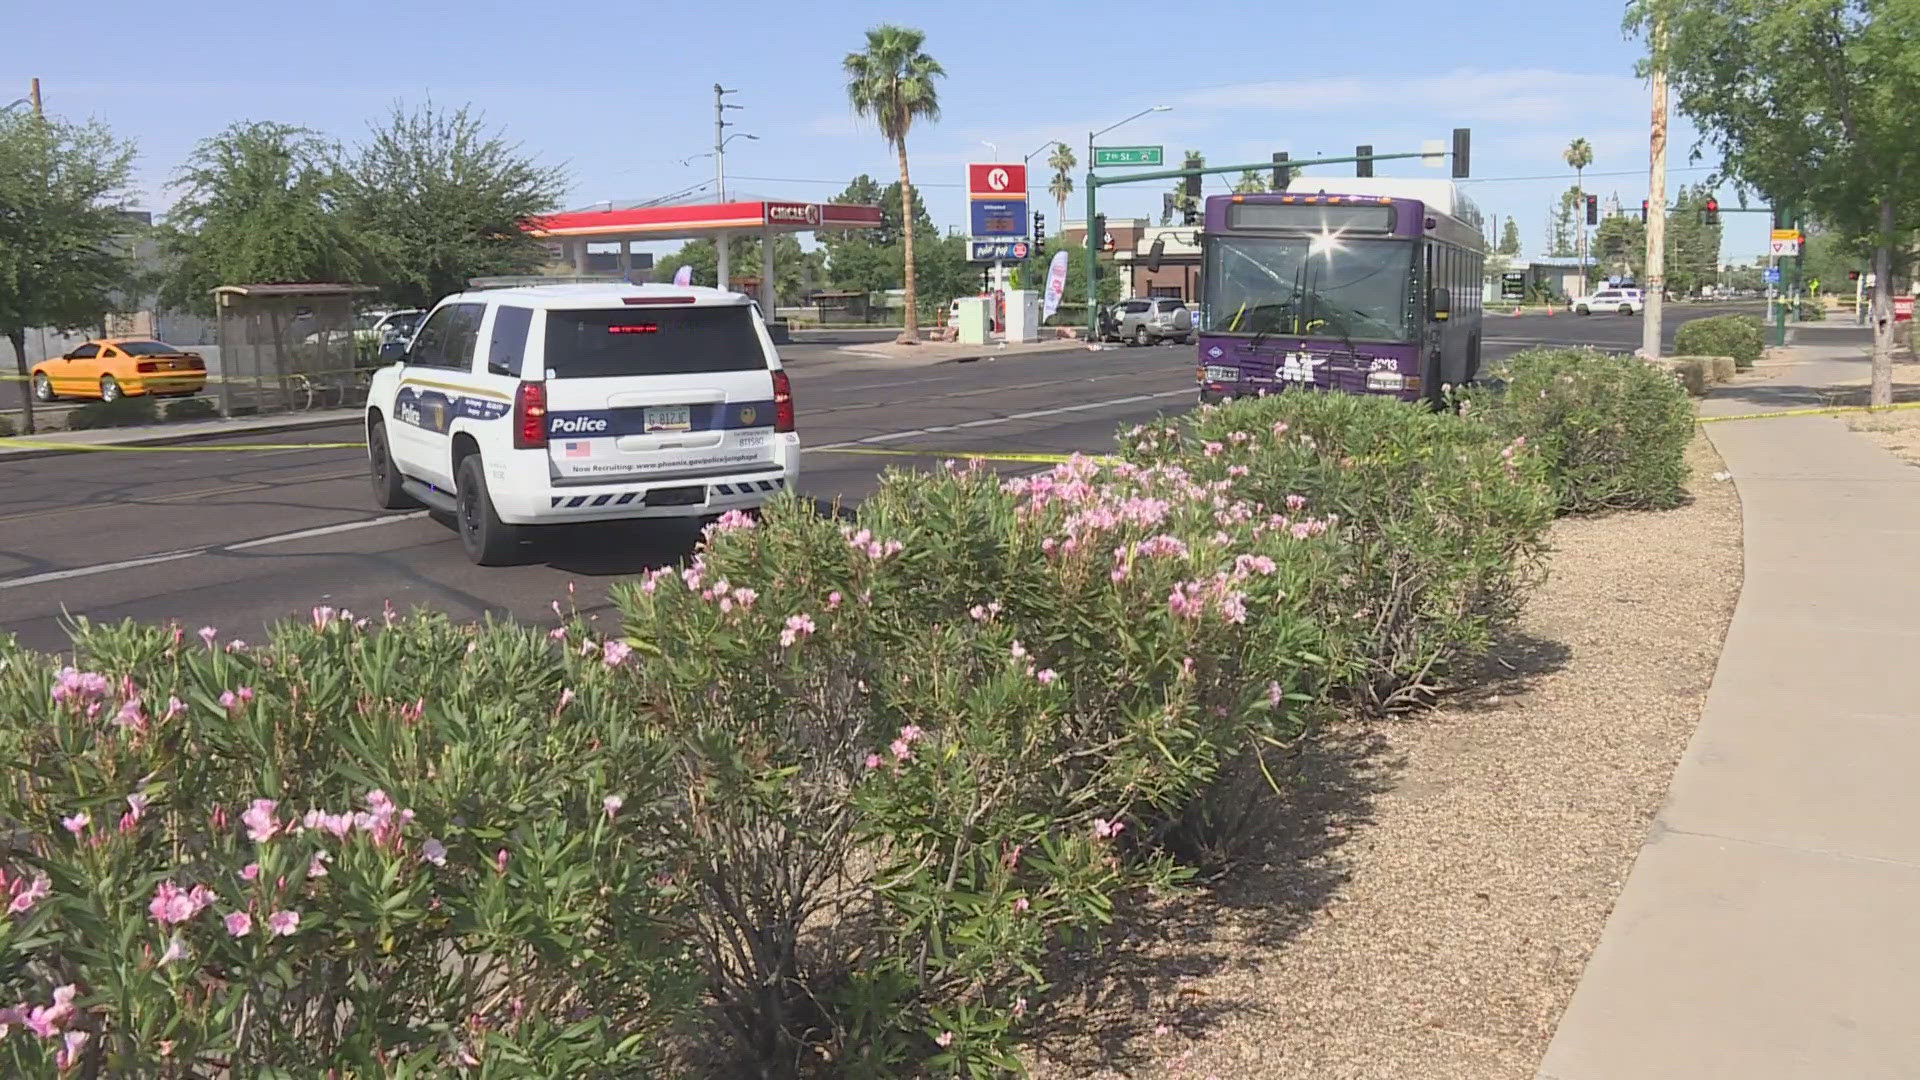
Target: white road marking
{"type": "Point", "coordinates": [1036, 414]}
{"type": "Point", "coordinates": [174, 556]}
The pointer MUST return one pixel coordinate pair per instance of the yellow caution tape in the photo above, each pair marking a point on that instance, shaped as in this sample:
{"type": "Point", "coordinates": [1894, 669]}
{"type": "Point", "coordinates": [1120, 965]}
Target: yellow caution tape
{"type": "Point", "coordinates": [48, 444]}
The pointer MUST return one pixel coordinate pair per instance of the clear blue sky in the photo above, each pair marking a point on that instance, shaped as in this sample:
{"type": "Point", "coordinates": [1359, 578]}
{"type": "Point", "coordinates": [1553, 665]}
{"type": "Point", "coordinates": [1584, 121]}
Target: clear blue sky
{"type": "Point", "coordinates": [620, 93]}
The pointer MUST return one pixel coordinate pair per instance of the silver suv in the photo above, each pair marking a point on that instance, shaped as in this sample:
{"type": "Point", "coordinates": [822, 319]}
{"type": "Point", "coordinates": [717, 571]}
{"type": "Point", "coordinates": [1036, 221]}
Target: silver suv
{"type": "Point", "coordinates": [1144, 322]}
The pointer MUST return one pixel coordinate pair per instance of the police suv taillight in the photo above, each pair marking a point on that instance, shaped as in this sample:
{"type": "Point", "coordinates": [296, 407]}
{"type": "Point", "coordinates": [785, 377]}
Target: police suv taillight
{"type": "Point", "coordinates": [782, 402]}
{"type": "Point", "coordinates": [530, 416]}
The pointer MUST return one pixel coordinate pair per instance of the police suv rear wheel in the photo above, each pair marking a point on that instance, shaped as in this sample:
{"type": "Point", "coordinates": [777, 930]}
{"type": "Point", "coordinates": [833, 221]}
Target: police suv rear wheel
{"type": "Point", "coordinates": [488, 540]}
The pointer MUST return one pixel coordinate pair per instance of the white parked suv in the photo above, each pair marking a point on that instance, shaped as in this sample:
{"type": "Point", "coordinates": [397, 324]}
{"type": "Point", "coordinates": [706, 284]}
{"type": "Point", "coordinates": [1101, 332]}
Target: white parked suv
{"type": "Point", "coordinates": [1624, 301]}
{"type": "Point", "coordinates": [549, 404]}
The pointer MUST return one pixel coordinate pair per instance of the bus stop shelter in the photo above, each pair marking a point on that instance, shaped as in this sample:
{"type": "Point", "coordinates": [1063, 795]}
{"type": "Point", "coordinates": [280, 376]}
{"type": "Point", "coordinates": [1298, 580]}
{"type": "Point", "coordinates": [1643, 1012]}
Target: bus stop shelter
{"type": "Point", "coordinates": [718, 222]}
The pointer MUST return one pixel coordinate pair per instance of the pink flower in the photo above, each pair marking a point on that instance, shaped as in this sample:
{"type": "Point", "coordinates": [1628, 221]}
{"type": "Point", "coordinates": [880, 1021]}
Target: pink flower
{"type": "Point", "coordinates": [176, 950]}
{"type": "Point", "coordinates": [259, 820]}
{"type": "Point", "coordinates": [71, 1044]}
{"type": "Point", "coordinates": [833, 600]}
{"type": "Point", "coordinates": [24, 898]}
{"type": "Point", "coordinates": [745, 597]}
{"type": "Point", "coordinates": [1296, 502]}
{"type": "Point", "coordinates": [558, 633]}
{"type": "Point", "coordinates": [1046, 676]}
{"type": "Point", "coordinates": [615, 653]}
{"type": "Point", "coordinates": [945, 1038]}
{"type": "Point", "coordinates": [250, 872]}
{"type": "Point", "coordinates": [798, 627]}
{"type": "Point", "coordinates": [1237, 470]}
{"type": "Point", "coordinates": [566, 698]}
{"type": "Point", "coordinates": [873, 761]}
{"type": "Point", "coordinates": [207, 634]}
{"type": "Point", "coordinates": [137, 805]}
{"type": "Point", "coordinates": [322, 618]}
{"type": "Point", "coordinates": [612, 804]}
{"type": "Point", "coordinates": [171, 904]}
{"type": "Point", "coordinates": [1021, 904]}
{"type": "Point", "coordinates": [317, 866]}
{"type": "Point", "coordinates": [1213, 449]}
{"type": "Point", "coordinates": [1019, 651]}
{"type": "Point", "coordinates": [1019, 1008]}
{"type": "Point", "coordinates": [239, 924]}
{"type": "Point", "coordinates": [78, 823]}
{"type": "Point", "coordinates": [1105, 829]}
{"type": "Point", "coordinates": [901, 750]}
{"type": "Point", "coordinates": [1273, 694]}
{"type": "Point", "coordinates": [228, 701]}
{"type": "Point", "coordinates": [912, 733]}
{"type": "Point", "coordinates": [731, 520]}
{"type": "Point", "coordinates": [500, 860]}
{"type": "Point", "coordinates": [131, 716]}
{"type": "Point", "coordinates": [434, 852]}
{"type": "Point", "coordinates": [284, 923]}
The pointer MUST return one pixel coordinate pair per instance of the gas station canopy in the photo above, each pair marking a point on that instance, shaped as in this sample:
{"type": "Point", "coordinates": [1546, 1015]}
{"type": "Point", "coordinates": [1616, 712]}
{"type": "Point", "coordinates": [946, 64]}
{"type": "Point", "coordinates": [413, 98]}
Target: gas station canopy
{"type": "Point", "coordinates": [715, 221]}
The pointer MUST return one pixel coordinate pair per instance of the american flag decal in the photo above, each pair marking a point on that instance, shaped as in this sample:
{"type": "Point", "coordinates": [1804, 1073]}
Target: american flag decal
{"type": "Point", "coordinates": [579, 449]}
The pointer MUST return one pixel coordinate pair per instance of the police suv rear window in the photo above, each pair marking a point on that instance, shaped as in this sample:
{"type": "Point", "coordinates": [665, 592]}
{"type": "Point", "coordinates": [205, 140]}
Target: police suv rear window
{"type": "Point", "coordinates": [651, 341]}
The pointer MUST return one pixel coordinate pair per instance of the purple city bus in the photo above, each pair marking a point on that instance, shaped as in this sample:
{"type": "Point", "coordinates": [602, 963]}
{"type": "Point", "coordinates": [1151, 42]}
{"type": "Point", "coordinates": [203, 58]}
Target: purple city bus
{"type": "Point", "coordinates": [1373, 290]}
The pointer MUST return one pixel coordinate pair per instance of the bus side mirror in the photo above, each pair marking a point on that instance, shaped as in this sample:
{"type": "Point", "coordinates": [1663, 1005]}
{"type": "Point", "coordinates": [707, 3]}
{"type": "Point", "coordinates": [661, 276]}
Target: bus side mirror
{"type": "Point", "coordinates": [1439, 302]}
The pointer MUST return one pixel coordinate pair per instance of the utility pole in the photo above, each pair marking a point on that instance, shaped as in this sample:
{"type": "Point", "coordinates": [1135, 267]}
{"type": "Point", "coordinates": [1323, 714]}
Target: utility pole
{"type": "Point", "coordinates": [38, 113]}
{"type": "Point", "coordinates": [723, 241]}
{"type": "Point", "coordinates": [1654, 288]}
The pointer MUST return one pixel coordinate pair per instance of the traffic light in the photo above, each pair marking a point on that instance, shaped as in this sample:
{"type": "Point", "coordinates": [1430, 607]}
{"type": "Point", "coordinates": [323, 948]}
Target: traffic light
{"type": "Point", "coordinates": [1713, 211]}
{"type": "Point", "coordinates": [1282, 175]}
{"type": "Point", "coordinates": [1364, 166]}
{"type": "Point", "coordinates": [1643, 209]}
{"type": "Point", "coordinates": [1462, 144]}
{"type": "Point", "coordinates": [1100, 232]}
{"type": "Point", "coordinates": [1593, 209]}
{"type": "Point", "coordinates": [1039, 229]}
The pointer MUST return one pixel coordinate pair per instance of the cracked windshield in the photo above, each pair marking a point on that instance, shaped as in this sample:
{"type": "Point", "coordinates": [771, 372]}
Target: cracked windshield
{"type": "Point", "coordinates": [1318, 285]}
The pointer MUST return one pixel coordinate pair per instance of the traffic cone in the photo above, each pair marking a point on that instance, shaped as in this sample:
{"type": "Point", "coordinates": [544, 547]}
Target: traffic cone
{"type": "Point", "coordinates": [1516, 311]}
{"type": "Point", "coordinates": [1549, 309]}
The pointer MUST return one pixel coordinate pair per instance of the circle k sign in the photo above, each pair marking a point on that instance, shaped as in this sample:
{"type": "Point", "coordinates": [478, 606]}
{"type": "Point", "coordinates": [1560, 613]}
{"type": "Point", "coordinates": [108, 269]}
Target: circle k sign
{"type": "Point", "coordinates": [992, 180]}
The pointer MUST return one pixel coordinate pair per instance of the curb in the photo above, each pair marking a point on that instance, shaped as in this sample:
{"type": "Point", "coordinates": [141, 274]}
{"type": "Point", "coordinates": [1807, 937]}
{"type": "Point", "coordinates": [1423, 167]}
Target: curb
{"type": "Point", "coordinates": [164, 439]}
{"type": "Point", "coordinates": [996, 355]}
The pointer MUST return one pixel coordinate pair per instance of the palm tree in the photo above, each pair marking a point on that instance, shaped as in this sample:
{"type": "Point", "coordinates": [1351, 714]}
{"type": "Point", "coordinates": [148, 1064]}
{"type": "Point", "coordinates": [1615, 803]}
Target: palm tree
{"type": "Point", "coordinates": [1250, 182]}
{"type": "Point", "coordinates": [891, 83]}
{"type": "Point", "coordinates": [1061, 162]}
{"type": "Point", "coordinates": [1579, 155]}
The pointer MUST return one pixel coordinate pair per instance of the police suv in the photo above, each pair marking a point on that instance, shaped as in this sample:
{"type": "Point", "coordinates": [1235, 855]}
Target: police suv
{"type": "Point", "coordinates": [546, 404]}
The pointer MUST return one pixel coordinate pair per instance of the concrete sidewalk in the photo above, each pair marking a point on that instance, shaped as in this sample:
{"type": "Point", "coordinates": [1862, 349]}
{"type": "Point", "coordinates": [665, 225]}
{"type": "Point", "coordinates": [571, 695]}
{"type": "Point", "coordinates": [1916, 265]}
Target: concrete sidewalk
{"type": "Point", "coordinates": [1770, 927]}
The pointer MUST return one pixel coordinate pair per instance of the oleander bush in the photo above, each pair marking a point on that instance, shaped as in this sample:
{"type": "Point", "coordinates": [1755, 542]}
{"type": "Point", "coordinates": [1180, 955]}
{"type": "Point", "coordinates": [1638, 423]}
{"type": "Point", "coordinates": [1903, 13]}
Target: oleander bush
{"type": "Point", "coordinates": [1738, 336]}
{"type": "Point", "coordinates": [1444, 519]}
{"type": "Point", "coordinates": [1611, 429]}
{"type": "Point", "coordinates": [192, 408]}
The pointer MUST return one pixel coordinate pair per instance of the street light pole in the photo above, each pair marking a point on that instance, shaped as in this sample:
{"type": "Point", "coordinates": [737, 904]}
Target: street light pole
{"type": "Point", "coordinates": [722, 242]}
{"type": "Point", "coordinates": [1093, 242]}
{"type": "Point", "coordinates": [1656, 283]}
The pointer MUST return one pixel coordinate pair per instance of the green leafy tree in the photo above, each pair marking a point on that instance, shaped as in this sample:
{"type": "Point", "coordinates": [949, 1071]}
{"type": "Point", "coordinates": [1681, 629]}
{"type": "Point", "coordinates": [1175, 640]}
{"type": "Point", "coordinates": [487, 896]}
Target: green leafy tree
{"type": "Point", "coordinates": [1809, 102]}
{"type": "Point", "coordinates": [1510, 238]}
{"type": "Point", "coordinates": [857, 260]}
{"type": "Point", "coordinates": [1564, 225]}
{"type": "Point", "coordinates": [59, 257]}
{"type": "Point", "coordinates": [743, 261]}
{"type": "Point", "coordinates": [892, 82]}
{"type": "Point", "coordinates": [443, 199]}
{"type": "Point", "coordinates": [1693, 245]}
{"type": "Point", "coordinates": [1062, 162]}
{"type": "Point", "coordinates": [1250, 182]}
{"type": "Point", "coordinates": [890, 232]}
{"type": "Point", "coordinates": [261, 205]}
{"type": "Point", "coordinates": [1620, 246]}
{"type": "Point", "coordinates": [1831, 257]}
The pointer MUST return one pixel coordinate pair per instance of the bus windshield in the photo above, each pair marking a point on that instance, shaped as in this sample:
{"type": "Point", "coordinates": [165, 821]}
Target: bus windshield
{"type": "Point", "coordinates": [1310, 286]}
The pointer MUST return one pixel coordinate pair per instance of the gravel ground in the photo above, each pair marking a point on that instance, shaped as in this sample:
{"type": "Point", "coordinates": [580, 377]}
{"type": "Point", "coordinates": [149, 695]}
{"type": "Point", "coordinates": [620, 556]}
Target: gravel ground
{"type": "Point", "coordinates": [1439, 880]}
{"type": "Point", "coordinates": [1897, 431]}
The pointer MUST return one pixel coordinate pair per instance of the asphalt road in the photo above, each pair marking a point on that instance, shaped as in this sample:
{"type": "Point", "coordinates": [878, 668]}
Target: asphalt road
{"type": "Point", "coordinates": [239, 539]}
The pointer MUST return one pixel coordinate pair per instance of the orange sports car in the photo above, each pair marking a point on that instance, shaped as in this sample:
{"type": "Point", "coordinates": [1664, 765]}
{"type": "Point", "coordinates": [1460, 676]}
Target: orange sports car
{"type": "Point", "coordinates": [112, 368]}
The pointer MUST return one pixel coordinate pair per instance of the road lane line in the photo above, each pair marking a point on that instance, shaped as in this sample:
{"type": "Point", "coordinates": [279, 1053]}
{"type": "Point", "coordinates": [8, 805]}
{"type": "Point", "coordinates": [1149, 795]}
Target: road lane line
{"type": "Point", "coordinates": [1036, 414]}
{"type": "Point", "coordinates": [237, 448]}
{"type": "Point", "coordinates": [174, 556]}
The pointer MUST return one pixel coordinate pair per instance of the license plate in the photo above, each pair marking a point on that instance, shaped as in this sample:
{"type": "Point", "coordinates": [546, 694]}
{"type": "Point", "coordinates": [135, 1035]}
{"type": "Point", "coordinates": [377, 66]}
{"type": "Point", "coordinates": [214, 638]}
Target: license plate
{"type": "Point", "coordinates": [666, 418]}
{"type": "Point", "coordinates": [1222, 374]}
